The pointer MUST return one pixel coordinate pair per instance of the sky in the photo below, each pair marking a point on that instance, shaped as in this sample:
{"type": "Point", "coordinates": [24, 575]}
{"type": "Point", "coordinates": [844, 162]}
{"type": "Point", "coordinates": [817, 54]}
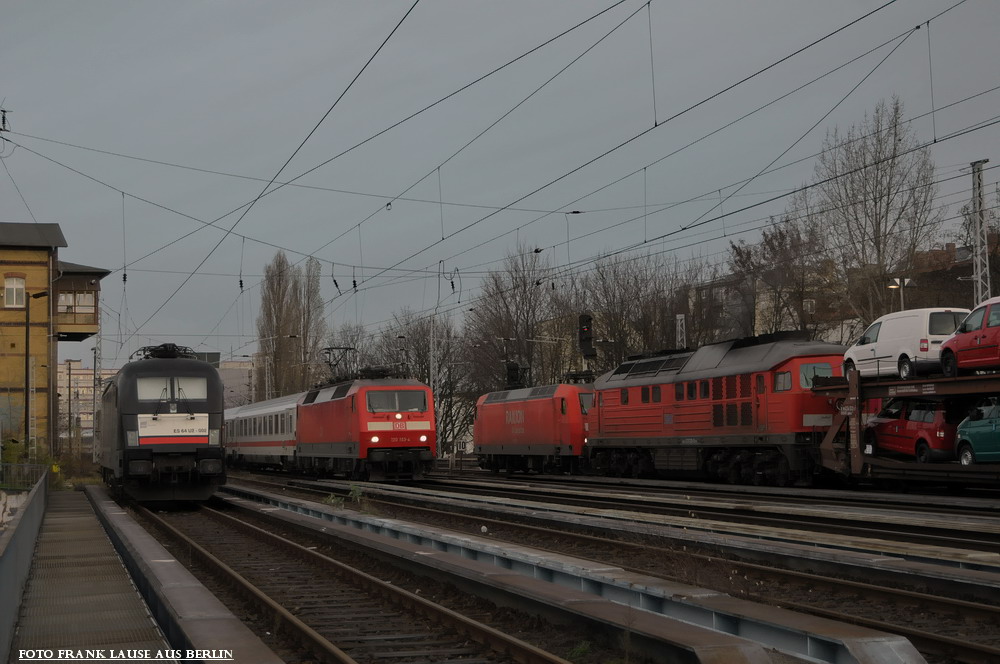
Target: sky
{"type": "Point", "coordinates": [429, 139]}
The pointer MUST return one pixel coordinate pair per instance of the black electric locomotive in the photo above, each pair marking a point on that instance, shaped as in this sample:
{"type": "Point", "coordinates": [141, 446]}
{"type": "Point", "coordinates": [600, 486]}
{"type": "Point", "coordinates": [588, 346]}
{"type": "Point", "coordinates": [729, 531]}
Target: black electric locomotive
{"type": "Point", "coordinates": [161, 421]}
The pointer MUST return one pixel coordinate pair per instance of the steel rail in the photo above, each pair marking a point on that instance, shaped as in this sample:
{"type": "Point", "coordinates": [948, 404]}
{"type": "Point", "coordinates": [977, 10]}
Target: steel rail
{"type": "Point", "coordinates": [937, 644]}
{"type": "Point", "coordinates": [501, 643]}
{"type": "Point", "coordinates": [319, 645]}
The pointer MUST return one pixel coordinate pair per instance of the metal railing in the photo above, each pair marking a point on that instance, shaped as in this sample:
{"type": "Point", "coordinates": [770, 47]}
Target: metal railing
{"type": "Point", "coordinates": [20, 476]}
{"type": "Point", "coordinates": [17, 542]}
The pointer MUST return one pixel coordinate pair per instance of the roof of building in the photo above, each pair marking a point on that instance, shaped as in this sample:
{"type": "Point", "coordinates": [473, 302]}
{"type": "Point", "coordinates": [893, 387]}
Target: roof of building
{"type": "Point", "coordinates": [31, 235]}
{"type": "Point", "coordinates": [66, 266]}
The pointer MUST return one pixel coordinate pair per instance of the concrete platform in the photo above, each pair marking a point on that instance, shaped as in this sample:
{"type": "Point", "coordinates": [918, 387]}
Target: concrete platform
{"type": "Point", "coordinates": [100, 582]}
{"type": "Point", "coordinates": [79, 595]}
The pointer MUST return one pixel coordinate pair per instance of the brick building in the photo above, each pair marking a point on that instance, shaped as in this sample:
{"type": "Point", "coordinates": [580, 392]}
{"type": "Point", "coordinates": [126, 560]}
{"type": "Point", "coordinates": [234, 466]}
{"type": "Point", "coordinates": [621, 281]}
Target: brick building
{"type": "Point", "coordinates": [44, 300]}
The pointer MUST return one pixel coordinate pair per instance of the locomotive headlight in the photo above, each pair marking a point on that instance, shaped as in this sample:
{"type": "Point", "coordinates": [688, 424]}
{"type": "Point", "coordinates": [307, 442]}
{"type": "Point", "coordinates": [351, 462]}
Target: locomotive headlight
{"type": "Point", "coordinates": [423, 439]}
{"type": "Point", "coordinates": [374, 439]}
{"type": "Point", "coordinates": [584, 441]}
{"type": "Point", "coordinates": [399, 416]}
{"type": "Point", "coordinates": [213, 436]}
{"type": "Point", "coordinates": [132, 438]}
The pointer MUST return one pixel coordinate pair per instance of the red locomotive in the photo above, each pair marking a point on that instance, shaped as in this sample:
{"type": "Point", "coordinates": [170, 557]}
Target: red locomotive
{"type": "Point", "coordinates": [368, 429]}
{"type": "Point", "coordinates": [741, 411]}
{"type": "Point", "coordinates": [541, 429]}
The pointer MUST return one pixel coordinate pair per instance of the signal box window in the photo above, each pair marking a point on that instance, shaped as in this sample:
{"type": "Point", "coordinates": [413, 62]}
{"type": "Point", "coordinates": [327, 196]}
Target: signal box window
{"type": "Point", "coordinates": [656, 394]}
{"type": "Point", "coordinates": [783, 381]}
{"type": "Point", "coordinates": [624, 395]}
{"type": "Point", "coordinates": [644, 394]}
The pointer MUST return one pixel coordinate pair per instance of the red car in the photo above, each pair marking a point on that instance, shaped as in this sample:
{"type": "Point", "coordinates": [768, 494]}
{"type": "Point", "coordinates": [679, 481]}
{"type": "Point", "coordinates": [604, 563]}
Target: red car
{"type": "Point", "coordinates": [976, 342]}
{"type": "Point", "coordinates": [920, 429]}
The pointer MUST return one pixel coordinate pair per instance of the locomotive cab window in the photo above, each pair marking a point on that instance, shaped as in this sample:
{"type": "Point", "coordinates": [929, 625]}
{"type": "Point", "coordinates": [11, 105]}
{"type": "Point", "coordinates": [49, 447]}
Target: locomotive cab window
{"type": "Point", "coordinates": [397, 401]}
{"type": "Point", "coordinates": [562, 405]}
{"type": "Point", "coordinates": [783, 381]}
{"type": "Point", "coordinates": [644, 394]}
{"type": "Point", "coordinates": [679, 392]}
{"type": "Point", "coordinates": [704, 389]}
{"type": "Point", "coordinates": [692, 389]}
{"type": "Point", "coordinates": [586, 402]}
{"type": "Point", "coordinates": [656, 394]}
{"type": "Point", "coordinates": [624, 395]}
{"type": "Point", "coordinates": [166, 388]}
{"type": "Point", "coordinates": [761, 385]}
{"type": "Point", "coordinates": [809, 372]}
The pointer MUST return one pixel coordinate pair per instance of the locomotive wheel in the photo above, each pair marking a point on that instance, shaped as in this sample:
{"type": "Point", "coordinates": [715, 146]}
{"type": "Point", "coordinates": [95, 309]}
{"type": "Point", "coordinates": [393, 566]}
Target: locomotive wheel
{"type": "Point", "coordinates": [734, 472]}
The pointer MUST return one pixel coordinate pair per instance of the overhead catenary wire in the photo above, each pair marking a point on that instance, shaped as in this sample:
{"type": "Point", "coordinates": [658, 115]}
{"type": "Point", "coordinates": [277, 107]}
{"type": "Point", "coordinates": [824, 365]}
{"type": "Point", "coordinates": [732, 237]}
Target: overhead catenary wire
{"type": "Point", "coordinates": [287, 161]}
{"type": "Point", "coordinates": [27, 207]}
{"type": "Point", "coordinates": [646, 131]}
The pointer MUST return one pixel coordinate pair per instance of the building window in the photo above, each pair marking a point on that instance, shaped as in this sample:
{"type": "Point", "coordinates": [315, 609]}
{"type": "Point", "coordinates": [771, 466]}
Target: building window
{"type": "Point", "coordinates": [13, 293]}
{"type": "Point", "coordinates": [809, 306]}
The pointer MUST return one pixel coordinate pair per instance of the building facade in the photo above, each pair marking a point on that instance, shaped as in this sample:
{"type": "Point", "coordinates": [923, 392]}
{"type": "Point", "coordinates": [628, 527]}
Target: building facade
{"type": "Point", "coordinates": [43, 301]}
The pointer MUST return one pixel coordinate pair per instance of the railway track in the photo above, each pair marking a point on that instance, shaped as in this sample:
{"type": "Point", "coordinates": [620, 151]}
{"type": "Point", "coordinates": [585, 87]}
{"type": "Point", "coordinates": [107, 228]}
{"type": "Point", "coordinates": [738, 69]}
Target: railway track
{"type": "Point", "coordinates": [335, 612]}
{"type": "Point", "coordinates": [979, 532]}
{"type": "Point", "coordinates": [944, 629]}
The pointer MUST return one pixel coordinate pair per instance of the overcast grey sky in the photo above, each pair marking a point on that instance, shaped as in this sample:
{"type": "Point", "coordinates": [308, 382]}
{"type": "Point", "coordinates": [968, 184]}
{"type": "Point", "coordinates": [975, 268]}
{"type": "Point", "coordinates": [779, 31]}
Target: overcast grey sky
{"type": "Point", "coordinates": [222, 93]}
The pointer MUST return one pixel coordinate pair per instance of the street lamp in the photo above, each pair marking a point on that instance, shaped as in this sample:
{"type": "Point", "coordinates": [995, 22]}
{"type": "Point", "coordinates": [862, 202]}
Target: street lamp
{"type": "Point", "coordinates": [901, 283]}
{"type": "Point", "coordinates": [27, 364]}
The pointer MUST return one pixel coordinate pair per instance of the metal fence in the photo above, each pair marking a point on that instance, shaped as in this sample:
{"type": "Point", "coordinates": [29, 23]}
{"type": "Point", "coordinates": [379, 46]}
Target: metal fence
{"type": "Point", "coordinates": [21, 476]}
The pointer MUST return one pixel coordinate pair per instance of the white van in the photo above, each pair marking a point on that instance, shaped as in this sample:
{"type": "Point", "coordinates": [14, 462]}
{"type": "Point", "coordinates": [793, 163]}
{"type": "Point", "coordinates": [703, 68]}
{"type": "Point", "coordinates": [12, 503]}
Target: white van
{"type": "Point", "coordinates": [904, 343]}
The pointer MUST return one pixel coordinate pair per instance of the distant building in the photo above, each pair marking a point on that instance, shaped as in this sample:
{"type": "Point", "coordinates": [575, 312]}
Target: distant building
{"type": "Point", "coordinates": [44, 300]}
{"type": "Point", "coordinates": [236, 376]}
{"type": "Point", "coordinates": [76, 389]}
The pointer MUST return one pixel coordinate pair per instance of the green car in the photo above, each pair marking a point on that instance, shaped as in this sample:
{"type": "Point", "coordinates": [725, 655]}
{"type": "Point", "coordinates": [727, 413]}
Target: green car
{"type": "Point", "coordinates": [979, 434]}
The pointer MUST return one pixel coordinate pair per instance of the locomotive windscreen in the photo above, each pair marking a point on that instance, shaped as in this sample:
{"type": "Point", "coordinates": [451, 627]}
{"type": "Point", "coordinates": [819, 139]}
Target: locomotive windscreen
{"type": "Point", "coordinates": [397, 401]}
{"type": "Point", "coordinates": [166, 388]}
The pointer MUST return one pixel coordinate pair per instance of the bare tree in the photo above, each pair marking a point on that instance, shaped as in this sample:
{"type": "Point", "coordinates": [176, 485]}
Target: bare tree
{"type": "Point", "coordinates": [776, 277]}
{"type": "Point", "coordinates": [507, 321]}
{"type": "Point", "coordinates": [277, 327]}
{"type": "Point", "coordinates": [290, 328]}
{"type": "Point", "coordinates": [312, 326]}
{"type": "Point", "coordinates": [876, 190]}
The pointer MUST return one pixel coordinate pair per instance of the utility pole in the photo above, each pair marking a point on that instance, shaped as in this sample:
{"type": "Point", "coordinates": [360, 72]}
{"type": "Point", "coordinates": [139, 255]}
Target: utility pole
{"type": "Point", "coordinates": [981, 258]}
{"type": "Point", "coordinates": [96, 396]}
{"type": "Point", "coordinates": [69, 406]}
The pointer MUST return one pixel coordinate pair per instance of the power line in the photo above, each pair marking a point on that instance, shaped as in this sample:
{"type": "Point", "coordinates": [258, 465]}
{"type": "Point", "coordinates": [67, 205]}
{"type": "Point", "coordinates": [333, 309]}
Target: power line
{"type": "Point", "coordinates": [264, 190]}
